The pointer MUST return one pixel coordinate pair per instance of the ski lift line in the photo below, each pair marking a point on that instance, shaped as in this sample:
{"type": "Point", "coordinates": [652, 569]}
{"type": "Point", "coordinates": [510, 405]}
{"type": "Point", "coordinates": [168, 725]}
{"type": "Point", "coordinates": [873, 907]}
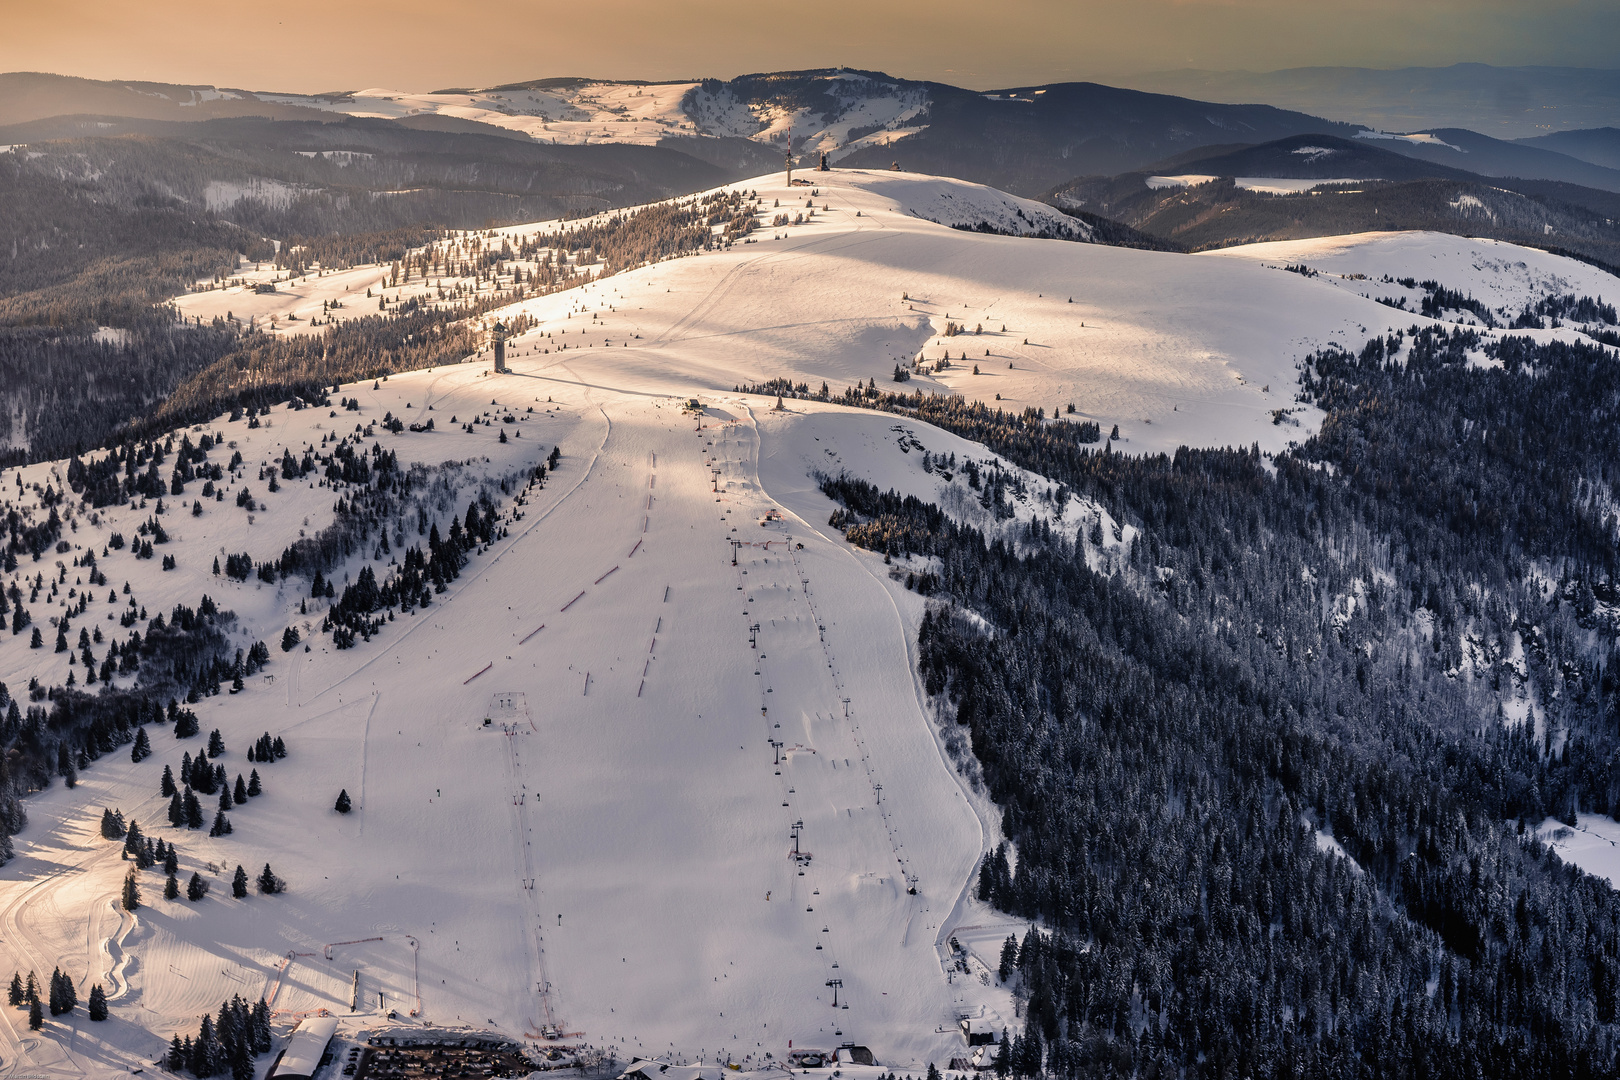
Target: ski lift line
{"type": "Point", "coordinates": [416, 972]}
{"type": "Point", "coordinates": [531, 633]}
{"type": "Point", "coordinates": [574, 601]}
{"type": "Point", "coordinates": [477, 673]}
{"type": "Point", "coordinates": [634, 549]}
{"type": "Point", "coordinates": [281, 969]}
{"type": "Point", "coordinates": [642, 687]}
{"type": "Point", "coordinates": [604, 577]}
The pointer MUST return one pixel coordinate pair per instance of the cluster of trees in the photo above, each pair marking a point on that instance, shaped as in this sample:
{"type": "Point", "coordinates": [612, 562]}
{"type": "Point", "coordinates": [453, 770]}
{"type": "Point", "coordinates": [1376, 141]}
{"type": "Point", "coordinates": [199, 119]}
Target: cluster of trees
{"type": "Point", "coordinates": [134, 470]}
{"type": "Point", "coordinates": [63, 997]}
{"type": "Point", "coordinates": [1294, 653]}
{"type": "Point", "coordinates": [1565, 308]}
{"type": "Point", "coordinates": [418, 576]}
{"type": "Point", "coordinates": [63, 730]}
{"type": "Point", "coordinates": [666, 230]}
{"type": "Point", "coordinates": [227, 1043]}
{"type": "Point", "coordinates": [952, 412]}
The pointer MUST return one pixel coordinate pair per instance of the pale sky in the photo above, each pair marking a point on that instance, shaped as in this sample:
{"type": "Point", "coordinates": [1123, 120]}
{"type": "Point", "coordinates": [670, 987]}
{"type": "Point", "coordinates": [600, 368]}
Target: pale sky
{"type": "Point", "coordinates": [305, 46]}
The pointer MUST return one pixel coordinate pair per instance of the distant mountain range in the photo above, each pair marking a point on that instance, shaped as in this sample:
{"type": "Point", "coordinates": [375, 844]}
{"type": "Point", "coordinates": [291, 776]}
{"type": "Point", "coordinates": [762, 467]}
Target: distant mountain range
{"type": "Point", "coordinates": [1319, 185]}
{"type": "Point", "coordinates": [284, 165]}
{"type": "Point", "coordinates": [1024, 140]}
{"type": "Point", "coordinates": [1507, 102]}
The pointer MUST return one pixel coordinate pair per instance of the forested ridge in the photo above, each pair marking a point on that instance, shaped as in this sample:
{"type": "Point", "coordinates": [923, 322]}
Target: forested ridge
{"type": "Point", "coordinates": [100, 232]}
{"type": "Point", "coordinates": [1339, 642]}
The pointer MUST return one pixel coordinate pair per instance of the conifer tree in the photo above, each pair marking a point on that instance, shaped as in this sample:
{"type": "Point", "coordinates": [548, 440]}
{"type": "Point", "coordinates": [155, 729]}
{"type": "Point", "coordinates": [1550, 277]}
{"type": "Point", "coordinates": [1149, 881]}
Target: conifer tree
{"type": "Point", "coordinates": [196, 888]}
{"type": "Point", "coordinates": [343, 805]}
{"type": "Point", "coordinates": [259, 1027]}
{"type": "Point", "coordinates": [132, 891]}
{"type": "Point", "coordinates": [134, 841]}
{"type": "Point", "coordinates": [268, 882]}
{"type": "Point", "coordinates": [1009, 958]}
{"type": "Point", "coordinates": [98, 1003]}
{"type": "Point", "coordinates": [225, 797]}
{"type": "Point", "coordinates": [177, 810]}
{"type": "Point", "coordinates": [31, 991]}
{"type": "Point", "coordinates": [36, 1016]}
{"type": "Point", "coordinates": [14, 993]}
{"type": "Point", "coordinates": [194, 814]}
{"type": "Point", "coordinates": [203, 1061]}
{"type": "Point", "coordinates": [112, 825]}
{"type": "Point", "coordinates": [1003, 1061]}
{"type": "Point", "coordinates": [221, 826]}
{"type": "Point", "coordinates": [254, 788]}
{"type": "Point", "coordinates": [241, 793]}
{"type": "Point", "coordinates": [142, 748]}
{"type": "Point", "coordinates": [175, 1059]}
{"type": "Point", "coordinates": [216, 744]}
{"type": "Point", "coordinates": [171, 860]}
{"type": "Point", "coordinates": [239, 883]}
{"type": "Point", "coordinates": [166, 785]}
{"type": "Point", "coordinates": [171, 886]}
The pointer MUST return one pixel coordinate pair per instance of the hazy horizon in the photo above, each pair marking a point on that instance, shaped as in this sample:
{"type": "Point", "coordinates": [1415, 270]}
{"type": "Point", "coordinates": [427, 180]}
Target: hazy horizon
{"type": "Point", "coordinates": [300, 47]}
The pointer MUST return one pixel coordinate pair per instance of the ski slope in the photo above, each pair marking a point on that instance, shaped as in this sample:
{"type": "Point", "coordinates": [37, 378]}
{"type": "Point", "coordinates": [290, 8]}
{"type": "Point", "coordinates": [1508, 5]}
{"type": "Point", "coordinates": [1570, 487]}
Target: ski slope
{"type": "Point", "coordinates": [578, 773]}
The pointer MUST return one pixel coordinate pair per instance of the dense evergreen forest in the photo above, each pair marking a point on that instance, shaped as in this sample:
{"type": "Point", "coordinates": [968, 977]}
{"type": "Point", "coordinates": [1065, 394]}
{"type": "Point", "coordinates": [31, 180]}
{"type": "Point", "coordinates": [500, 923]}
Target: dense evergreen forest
{"type": "Point", "coordinates": [1343, 641]}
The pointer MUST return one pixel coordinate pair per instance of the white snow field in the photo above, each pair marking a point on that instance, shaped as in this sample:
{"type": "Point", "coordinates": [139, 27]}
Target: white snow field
{"type": "Point", "coordinates": [1593, 844]}
{"type": "Point", "coordinates": [576, 775]}
{"type": "Point", "coordinates": [1504, 277]}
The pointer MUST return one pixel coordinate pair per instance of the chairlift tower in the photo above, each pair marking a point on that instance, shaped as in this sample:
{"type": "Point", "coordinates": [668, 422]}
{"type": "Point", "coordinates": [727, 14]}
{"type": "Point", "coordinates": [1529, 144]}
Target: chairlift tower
{"type": "Point", "coordinates": [836, 985]}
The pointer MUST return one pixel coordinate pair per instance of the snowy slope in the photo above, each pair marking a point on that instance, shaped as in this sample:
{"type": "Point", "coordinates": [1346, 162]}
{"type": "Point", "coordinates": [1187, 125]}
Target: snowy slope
{"type": "Point", "coordinates": [1505, 277]}
{"type": "Point", "coordinates": [659, 717]}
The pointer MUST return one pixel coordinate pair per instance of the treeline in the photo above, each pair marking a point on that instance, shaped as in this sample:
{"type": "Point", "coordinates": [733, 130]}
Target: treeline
{"type": "Point", "coordinates": [264, 370]}
{"type": "Point", "coordinates": [336, 251]}
{"type": "Point", "coordinates": [975, 421]}
{"type": "Point", "coordinates": [1331, 647]}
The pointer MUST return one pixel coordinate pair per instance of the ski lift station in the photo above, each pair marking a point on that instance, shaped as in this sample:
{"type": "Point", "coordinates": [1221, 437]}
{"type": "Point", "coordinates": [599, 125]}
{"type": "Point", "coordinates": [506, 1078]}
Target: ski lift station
{"type": "Point", "coordinates": [303, 1054]}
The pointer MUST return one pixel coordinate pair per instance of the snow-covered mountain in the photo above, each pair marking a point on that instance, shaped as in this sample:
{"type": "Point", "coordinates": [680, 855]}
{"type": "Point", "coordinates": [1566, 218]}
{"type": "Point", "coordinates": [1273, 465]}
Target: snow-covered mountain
{"type": "Point", "coordinates": [1022, 139]}
{"type": "Point", "coordinates": [588, 744]}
